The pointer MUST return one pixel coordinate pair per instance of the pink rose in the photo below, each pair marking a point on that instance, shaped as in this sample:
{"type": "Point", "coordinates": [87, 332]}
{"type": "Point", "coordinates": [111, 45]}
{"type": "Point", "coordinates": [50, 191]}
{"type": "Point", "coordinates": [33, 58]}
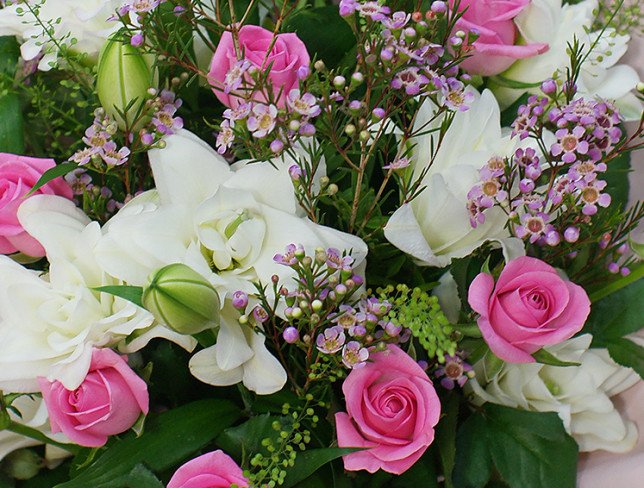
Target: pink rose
{"type": "Point", "coordinates": [287, 55]}
{"type": "Point", "coordinates": [212, 470]}
{"type": "Point", "coordinates": [530, 307]}
{"type": "Point", "coordinates": [109, 401]}
{"type": "Point", "coordinates": [495, 49]}
{"type": "Point", "coordinates": [18, 174]}
{"type": "Point", "coordinates": [392, 408]}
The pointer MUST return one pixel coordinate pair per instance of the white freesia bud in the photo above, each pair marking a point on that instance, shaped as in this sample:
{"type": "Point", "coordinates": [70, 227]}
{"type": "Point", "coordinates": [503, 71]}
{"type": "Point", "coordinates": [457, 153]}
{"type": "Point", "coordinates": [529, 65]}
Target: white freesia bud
{"type": "Point", "coordinates": [123, 81]}
{"type": "Point", "coordinates": [182, 299]}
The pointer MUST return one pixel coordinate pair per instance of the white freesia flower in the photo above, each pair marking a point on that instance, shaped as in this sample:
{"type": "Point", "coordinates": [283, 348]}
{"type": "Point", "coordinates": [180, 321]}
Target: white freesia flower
{"type": "Point", "coordinates": [49, 324]}
{"type": "Point", "coordinates": [435, 227]}
{"type": "Point", "coordinates": [227, 224]}
{"type": "Point", "coordinates": [33, 413]}
{"type": "Point", "coordinates": [551, 22]}
{"type": "Point", "coordinates": [580, 395]}
{"type": "Point", "coordinates": [86, 21]}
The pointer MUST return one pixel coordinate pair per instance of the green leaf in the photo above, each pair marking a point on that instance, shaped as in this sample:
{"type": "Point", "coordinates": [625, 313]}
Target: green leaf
{"type": "Point", "coordinates": [637, 272]}
{"type": "Point", "coordinates": [422, 473]}
{"type": "Point", "coordinates": [139, 477]}
{"type": "Point", "coordinates": [617, 315]}
{"type": "Point", "coordinates": [528, 449]}
{"type": "Point", "coordinates": [11, 124]}
{"type": "Point", "coordinates": [544, 357]}
{"type": "Point", "coordinates": [508, 83]}
{"type": "Point", "coordinates": [51, 174]}
{"type": "Point", "coordinates": [130, 293]}
{"type": "Point", "coordinates": [168, 439]}
{"type": "Point", "coordinates": [326, 35]}
{"type": "Point", "coordinates": [309, 461]}
{"type": "Point", "coordinates": [446, 436]}
{"type": "Point", "coordinates": [247, 438]}
{"type": "Point", "coordinates": [616, 176]}
{"type": "Point", "coordinates": [627, 353]}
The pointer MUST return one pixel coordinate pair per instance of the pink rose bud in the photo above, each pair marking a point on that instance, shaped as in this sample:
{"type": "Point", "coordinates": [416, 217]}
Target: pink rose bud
{"type": "Point", "coordinates": [529, 307]}
{"type": "Point", "coordinates": [287, 55]}
{"type": "Point", "coordinates": [18, 174]}
{"type": "Point", "coordinates": [212, 470]}
{"type": "Point", "coordinates": [108, 401]}
{"type": "Point", "coordinates": [401, 408]}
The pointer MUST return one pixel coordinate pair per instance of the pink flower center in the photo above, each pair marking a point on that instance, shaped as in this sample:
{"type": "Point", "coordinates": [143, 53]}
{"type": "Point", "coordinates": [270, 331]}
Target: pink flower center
{"type": "Point", "coordinates": [590, 195]}
{"type": "Point", "coordinates": [535, 225]}
{"type": "Point", "coordinates": [569, 142]}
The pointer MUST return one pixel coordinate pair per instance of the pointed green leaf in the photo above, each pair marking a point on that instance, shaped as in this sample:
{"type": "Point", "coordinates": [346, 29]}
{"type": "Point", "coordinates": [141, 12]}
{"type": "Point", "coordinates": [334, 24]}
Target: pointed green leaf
{"type": "Point", "coordinates": [544, 357]}
{"type": "Point", "coordinates": [130, 293]}
{"type": "Point", "coordinates": [53, 173]}
{"type": "Point", "coordinates": [309, 461]}
{"type": "Point", "coordinates": [627, 353]}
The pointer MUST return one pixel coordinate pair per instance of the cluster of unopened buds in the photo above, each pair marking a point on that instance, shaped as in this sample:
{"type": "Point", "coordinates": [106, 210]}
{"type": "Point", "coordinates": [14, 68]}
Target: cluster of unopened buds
{"type": "Point", "coordinates": [162, 109]}
{"type": "Point", "coordinates": [413, 62]}
{"type": "Point", "coordinates": [549, 196]}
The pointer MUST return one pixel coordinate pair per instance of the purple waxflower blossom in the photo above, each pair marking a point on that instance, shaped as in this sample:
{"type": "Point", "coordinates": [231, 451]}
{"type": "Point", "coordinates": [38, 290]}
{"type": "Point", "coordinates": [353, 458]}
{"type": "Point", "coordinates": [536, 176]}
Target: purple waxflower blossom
{"type": "Point", "coordinates": [295, 171]}
{"type": "Point", "coordinates": [454, 95]}
{"type": "Point", "coordinates": [335, 260]}
{"type": "Point", "coordinates": [331, 341]}
{"type": "Point", "coordinates": [591, 196]}
{"type": "Point", "coordinates": [586, 170]}
{"type": "Point", "coordinates": [96, 137]}
{"type": "Point", "coordinates": [398, 20]}
{"type": "Point", "coordinates": [347, 7]}
{"type": "Point", "coordinates": [375, 306]}
{"type": "Point", "coordinates": [235, 75]}
{"type": "Point", "coordinates": [430, 53]}
{"type": "Point", "coordinates": [392, 329]}
{"type": "Point", "coordinates": [225, 137]}
{"type": "Point", "coordinates": [526, 157]}
{"type": "Point", "coordinates": [260, 314]}
{"type": "Point", "coordinates": [83, 156]}
{"type": "Point", "coordinates": [354, 355]}
{"type": "Point", "coordinates": [165, 122]}
{"type": "Point", "coordinates": [533, 226]}
{"type": "Point", "coordinates": [290, 256]}
{"type": "Point", "coordinates": [454, 371]}
{"type": "Point", "coordinates": [373, 10]}
{"type": "Point", "coordinates": [139, 6]}
{"type": "Point", "coordinates": [238, 113]}
{"type": "Point", "coordinates": [291, 335]}
{"type": "Point", "coordinates": [346, 317]}
{"type": "Point", "coordinates": [398, 163]}
{"type": "Point", "coordinates": [113, 156]}
{"type": "Point", "coordinates": [527, 116]}
{"type": "Point", "coordinates": [570, 144]}
{"type": "Point", "coordinates": [262, 120]}
{"type": "Point", "coordinates": [411, 79]}
{"type": "Point", "coordinates": [79, 181]}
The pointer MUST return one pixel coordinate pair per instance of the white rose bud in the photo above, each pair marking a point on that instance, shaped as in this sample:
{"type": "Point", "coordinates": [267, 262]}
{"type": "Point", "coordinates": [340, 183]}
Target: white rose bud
{"type": "Point", "coordinates": [182, 299]}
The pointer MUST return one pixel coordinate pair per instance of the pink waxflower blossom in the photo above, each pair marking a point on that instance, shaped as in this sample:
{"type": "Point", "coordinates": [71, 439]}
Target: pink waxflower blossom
{"type": "Point", "coordinates": [18, 174]}
{"type": "Point", "coordinates": [529, 307]}
{"type": "Point", "coordinates": [262, 120]}
{"type": "Point", "coordinates": [392, 409]}
{"type": "Point", "coordinates": [108, 401]}
{"type": "Point", "coordinates": [211, 470]}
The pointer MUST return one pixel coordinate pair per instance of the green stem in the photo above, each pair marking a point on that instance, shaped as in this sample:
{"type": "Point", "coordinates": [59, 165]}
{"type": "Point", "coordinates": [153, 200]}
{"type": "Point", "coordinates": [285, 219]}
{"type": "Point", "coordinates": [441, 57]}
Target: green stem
{"type": "Point", "coordinates": [39, 436]}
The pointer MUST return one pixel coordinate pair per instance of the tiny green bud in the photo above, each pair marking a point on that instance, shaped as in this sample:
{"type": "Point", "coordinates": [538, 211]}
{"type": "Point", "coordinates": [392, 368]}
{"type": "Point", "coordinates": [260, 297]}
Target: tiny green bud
{"type": "Point", "coordinates": [182, 299]}
{"type": "Point", "coordinates": [316, 305]}
{"type": "Point", "coordinates": [350, 129]}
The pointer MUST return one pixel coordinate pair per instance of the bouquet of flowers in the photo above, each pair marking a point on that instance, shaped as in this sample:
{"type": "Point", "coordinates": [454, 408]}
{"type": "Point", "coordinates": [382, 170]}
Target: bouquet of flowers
{"type": "Point", "coordinates": [280, 243]}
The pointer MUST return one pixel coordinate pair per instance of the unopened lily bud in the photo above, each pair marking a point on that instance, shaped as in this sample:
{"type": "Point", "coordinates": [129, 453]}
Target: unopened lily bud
{"type": "Point", "coordinates": [123, 79]}
{"type": "Point", "coordinates": [182, 299]}
{"type": "Point", "coordinates": [23, 464]}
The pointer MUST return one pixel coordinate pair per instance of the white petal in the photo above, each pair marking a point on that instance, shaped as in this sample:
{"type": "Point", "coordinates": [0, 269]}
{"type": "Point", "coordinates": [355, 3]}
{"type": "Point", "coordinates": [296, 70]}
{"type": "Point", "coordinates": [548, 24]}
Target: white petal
{"type": "Point", "coordinates": [263, 373]}
{"type": "Point", "coordinates": [203, 366]}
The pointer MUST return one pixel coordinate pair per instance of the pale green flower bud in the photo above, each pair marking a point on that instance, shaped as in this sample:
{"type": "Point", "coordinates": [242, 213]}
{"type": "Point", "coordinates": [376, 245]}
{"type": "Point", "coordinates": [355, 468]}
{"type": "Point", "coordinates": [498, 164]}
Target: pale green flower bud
{"type": "Point", "coordinates": [124, 78]}
{"type": "Point", "coordinates": [182, 299]}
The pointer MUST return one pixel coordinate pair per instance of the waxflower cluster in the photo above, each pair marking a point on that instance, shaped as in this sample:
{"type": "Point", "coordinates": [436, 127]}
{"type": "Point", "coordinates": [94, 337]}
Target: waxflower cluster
{"type": "Point", "coordinates": [549, 196]}
{"type": "Point", "coordinates": [100, 147]}
{"type": "Point", "coordinates": [414, 63]}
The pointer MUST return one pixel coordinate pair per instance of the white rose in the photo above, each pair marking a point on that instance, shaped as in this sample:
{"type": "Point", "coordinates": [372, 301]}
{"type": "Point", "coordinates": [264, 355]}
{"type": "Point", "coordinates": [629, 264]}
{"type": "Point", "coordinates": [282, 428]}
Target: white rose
{"type": "Point", "coordinates": [86, 21]}
{"type": "Point", "coordinates": [33, 413]}
{"type": "Point", "coordinates": [580, 395]}
{"type": "Point", "coordinates": [551, 22]}
{"type": "Point", "coordinates": [49, 324]}
{"type": "Point", "coordinates": [435, 227]}
{"type": "Point", "coordinates": [227, 224]}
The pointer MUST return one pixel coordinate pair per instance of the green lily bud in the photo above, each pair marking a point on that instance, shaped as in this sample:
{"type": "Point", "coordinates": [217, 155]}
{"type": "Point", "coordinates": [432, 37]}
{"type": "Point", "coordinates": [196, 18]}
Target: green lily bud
{"type": "Point", "coordinates": [22, 464]}
{"type": "Point", "coordinates": [124, 77]}
{"type": "Point", "coordinates": [182, 299]}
